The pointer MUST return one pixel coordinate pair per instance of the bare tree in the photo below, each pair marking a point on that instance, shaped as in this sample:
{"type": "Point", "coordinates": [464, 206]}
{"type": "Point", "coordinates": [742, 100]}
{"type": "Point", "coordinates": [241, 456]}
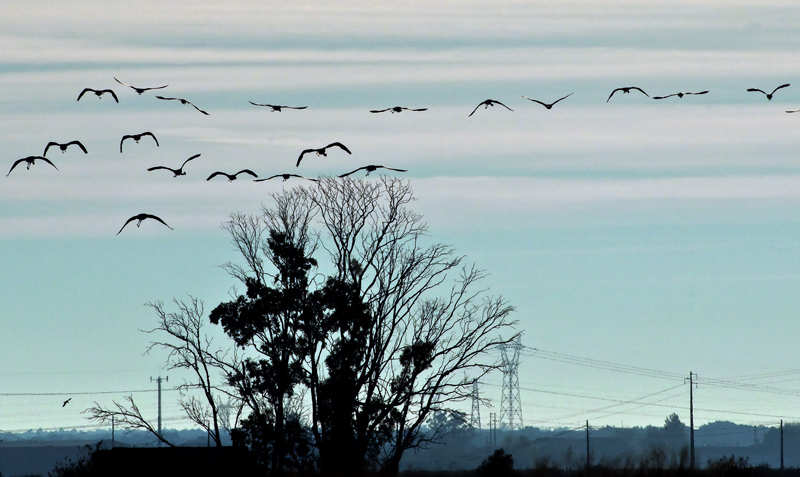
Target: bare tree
{"type": "Point", "coordinates": [402, 326]}
{"type": "Point", "coordinates": [190, 348]}
{"type": "Point", "coordinates": [182, 334]}
{"type": "Point", "coordinates": [126, 415]}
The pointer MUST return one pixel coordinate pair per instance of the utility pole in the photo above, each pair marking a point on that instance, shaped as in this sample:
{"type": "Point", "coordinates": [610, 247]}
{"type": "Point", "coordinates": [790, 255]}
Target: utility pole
{"type": "Point", "coordinates": [492, 430]}
{"type": "Point", "coordinates": [112, 431]}
{"type": "Point", "coordinates": [158, 380]}
{"type": "Point", "coordinates": [781, 444]}
{"type": "Point", "coordinates": [691, 422]}
{"type": "Point", "coordinates": [588, 458]}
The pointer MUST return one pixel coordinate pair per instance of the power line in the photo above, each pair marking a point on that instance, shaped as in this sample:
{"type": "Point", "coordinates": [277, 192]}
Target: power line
{"type": "Point", "coordinates": [89, 393]}
{"type": "Point", "coordinates": [599, 364]}
{"type": "Point", "coordinates": [637, 370]}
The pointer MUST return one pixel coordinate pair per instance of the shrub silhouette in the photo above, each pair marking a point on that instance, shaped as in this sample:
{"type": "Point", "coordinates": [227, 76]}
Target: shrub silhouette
{"type": "Point", "coordinates": [498, 464]}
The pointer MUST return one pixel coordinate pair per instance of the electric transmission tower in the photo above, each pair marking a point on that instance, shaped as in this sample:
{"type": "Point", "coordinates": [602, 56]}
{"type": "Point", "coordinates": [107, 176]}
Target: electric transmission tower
{"type": "Point", "coordinates": [475, 417]}
{"type": "Point", "coordinates": [511, 403]}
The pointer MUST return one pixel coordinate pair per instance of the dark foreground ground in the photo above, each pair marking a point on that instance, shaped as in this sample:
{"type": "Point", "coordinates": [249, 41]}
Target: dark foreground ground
{"type": "Point", "coordinates": [230, 461]}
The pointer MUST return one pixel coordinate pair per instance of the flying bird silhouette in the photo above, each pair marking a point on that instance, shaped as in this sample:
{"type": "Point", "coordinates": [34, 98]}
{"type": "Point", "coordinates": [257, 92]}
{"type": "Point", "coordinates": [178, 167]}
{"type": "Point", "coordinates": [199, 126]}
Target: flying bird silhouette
{"type": "Point", "coordinates": [372, 168]}
{"type": "Point", "coordinates": [66, 402]}
{"type": "Point", "coordinates": [139, 90]}
{"type": "Point", "coordinates": [680, 95]}
{"type": "Point", "coordinates": [64, 146]}
{"type": "Point", "coordinates": [139, 218]}
{"type": "Point", "coordinates": [183, 101]}
{"type": "Point", "coordinates": [277, 108]}
{"type": "Point", "coordinates": [546, 105]}
{"type": "Point", "coordinates": [769, 95]}
{"type": "Point", "coordinates": [136, 137]}
{"type": "Point", "coordinates": [322, 151]}
{"type": "Point", "coordinates": [231, 177]}
{"type": "Point", "coordinates": [487, 103]}
{"type": "Point", "coordinates": [177, 172]}
{"type": "Point", "coordinates": [396, 109]}
{"type": "Point", "coordinates": [98, 93]}
{"type": "Point", "coordinates": [626, 89]}
{"type": "Point", "coordinates": [285, 177]}
{"type": "Point", "coordinates": [30, 160]}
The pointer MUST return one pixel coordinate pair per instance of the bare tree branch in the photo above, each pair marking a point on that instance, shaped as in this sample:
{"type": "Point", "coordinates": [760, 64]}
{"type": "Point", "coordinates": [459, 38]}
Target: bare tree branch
{"type": "Point", "coordinates": [128, 416]}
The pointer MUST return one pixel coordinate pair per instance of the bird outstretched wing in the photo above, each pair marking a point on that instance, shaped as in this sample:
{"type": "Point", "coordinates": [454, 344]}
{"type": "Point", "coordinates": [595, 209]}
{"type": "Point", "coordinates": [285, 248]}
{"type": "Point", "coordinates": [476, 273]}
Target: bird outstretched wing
{"type": "Point", "coordinates": [218, 173]}
{"type": "Point", "coordinates": [149, 216]}
{"type": "Point", "coordinates": [305, 151]}
{"type": "Point", "coordinates": [15, 165]}
{"type": "Point", "coordinates": [339, 145]}
{"type": "Point", "coordinates": [503, 105]}
{"type": "Point", "coordinates": [78, 143]}
{"type": "Point", "coordinates": [155, 168]}
{"type": "Point", "coordinates": [148, 133]}
{"type": "Point", "coordinates": [113, 94]}
{"type": "Point", "coordinates": [781, 86]}
{"type": "Point", "coordinates": [352, 172]}
{"type": "Point", "coordinates": [183, 101]}
{"type": "Point", "coordinates": [473, 111]}
{"type": "Point", "coordinates": [187, 160]}
{"type": "Point", "coordinates": [536, 101]}
{"type": "Point", "coordinates": [51, 143]}
{"type": "Point", "coordinates": [246, 171]}
{"type": "Point", "coordinates": [126, 223]}
{"type": "Point", "coordinates": [372, 168]}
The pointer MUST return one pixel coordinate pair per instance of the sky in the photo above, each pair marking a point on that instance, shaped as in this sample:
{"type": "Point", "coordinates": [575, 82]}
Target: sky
{"type": "Point", "coordinates": [638, 239]}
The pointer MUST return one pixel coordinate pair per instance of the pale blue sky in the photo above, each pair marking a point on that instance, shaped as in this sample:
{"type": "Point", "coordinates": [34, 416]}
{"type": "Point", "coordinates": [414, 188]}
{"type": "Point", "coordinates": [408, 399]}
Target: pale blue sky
{"type": "Point", "coordinates": [656, 234]}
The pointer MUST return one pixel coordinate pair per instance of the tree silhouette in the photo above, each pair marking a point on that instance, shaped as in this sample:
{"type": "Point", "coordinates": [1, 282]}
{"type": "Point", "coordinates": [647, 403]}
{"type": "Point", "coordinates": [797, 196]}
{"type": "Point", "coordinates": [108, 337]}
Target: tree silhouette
{"type": "Point", "coordinates": [182, 334]}
{"type": "Point", "coordinates": [397, 331]}
{"type": "Point", "coordinates": [269, 320]}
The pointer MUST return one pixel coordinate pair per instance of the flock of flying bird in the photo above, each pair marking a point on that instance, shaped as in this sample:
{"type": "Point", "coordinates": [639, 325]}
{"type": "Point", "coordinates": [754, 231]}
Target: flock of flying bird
{"type": "Point", "coordinates": [321, 151]}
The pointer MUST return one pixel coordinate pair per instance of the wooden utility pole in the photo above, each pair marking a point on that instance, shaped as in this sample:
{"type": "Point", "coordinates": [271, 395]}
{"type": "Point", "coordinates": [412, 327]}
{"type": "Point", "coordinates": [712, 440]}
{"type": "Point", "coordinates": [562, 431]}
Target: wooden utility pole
{"type": "Point", "coordinates": [588, 455]}
{"type": "Point", "coordinates": [781, 444]}
{"type": "Point", "coordinates": [691, 422]}
{"type": "Point", "coordinates": [158, 380]}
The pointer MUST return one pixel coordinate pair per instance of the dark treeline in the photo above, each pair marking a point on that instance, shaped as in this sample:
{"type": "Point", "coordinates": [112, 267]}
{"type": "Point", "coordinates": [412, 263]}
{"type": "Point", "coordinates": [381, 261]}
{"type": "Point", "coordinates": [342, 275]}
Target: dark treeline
{"type": "Point", "coordinates": [656, 447]}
